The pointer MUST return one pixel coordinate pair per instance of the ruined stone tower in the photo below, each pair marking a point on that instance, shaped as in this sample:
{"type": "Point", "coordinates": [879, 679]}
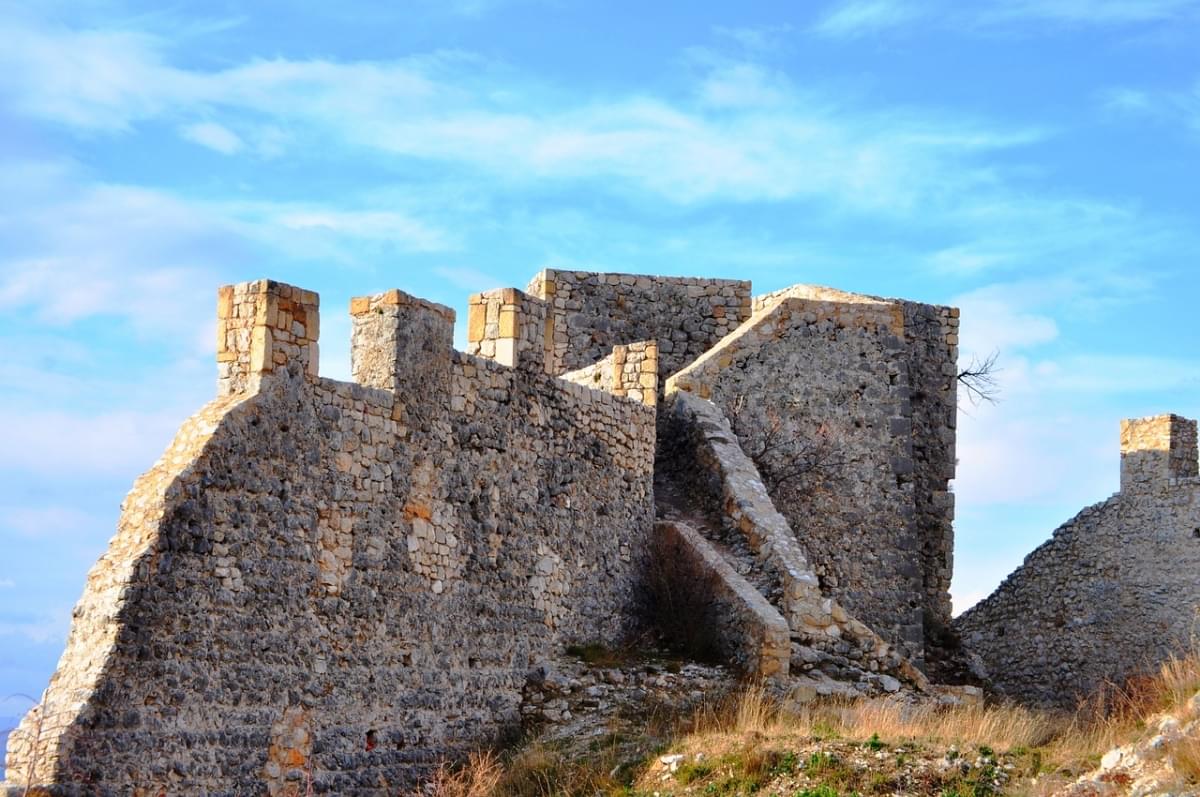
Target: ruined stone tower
{"type": "Point", "coordinates": [1114, 590]}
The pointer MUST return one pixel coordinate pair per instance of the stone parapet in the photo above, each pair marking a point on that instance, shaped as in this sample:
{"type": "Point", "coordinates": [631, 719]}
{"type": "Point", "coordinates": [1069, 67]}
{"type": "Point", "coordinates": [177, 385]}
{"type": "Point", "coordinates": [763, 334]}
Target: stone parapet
{"type": "Point", "coordinates": [630, 371]}
{"type": "Point", "coordinates": [1156, 450]}
{"type": "Point", "coordinates": [593, 312]}
{"type": "Point", "coordinates": [512, 328]}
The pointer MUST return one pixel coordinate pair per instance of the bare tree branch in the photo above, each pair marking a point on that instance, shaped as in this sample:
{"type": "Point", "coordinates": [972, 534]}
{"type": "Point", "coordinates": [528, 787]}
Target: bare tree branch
{"type": "Point", "coordinates": [980, 380]}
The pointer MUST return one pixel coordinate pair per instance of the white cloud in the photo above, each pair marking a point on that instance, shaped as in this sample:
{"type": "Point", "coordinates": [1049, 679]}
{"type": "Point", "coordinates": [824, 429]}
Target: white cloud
{"type": "Point", "coordinates": [214, 136]}
{"type": "Point", "coordinates": [1091, 12]}
{"type": "Point", "coordinates": [381, 226]}
{"type": "Point", "coordinates": [865, 17]}
{"type": "Point", "coordinates": [44, 626]}
{"type": "Point", "coordinates": [60, 443]}
{"type": "Point", "coordinates": [768, 142]}
{"type": "Point", "coordinates": [858, 18]}
{"type": "Point", "coordinates": [7, 583]}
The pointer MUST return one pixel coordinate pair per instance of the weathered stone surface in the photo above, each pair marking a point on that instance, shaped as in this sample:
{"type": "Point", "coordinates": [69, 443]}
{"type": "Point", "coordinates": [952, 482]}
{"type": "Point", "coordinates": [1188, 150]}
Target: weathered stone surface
{"type": "Point", "coordinates": [1113, 591]}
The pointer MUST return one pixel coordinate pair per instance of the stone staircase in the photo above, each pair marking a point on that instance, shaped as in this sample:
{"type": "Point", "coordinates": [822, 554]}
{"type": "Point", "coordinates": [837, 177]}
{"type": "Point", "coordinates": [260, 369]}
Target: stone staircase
{"type": "Point", "coordinates": [703, 479]}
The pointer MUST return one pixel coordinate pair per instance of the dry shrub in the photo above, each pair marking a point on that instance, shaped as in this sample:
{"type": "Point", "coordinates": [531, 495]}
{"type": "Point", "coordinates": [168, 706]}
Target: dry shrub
{"type": "Point", "coordinates": [1185, 760]}
{"type": "Point", "coordinates": [479, 777]}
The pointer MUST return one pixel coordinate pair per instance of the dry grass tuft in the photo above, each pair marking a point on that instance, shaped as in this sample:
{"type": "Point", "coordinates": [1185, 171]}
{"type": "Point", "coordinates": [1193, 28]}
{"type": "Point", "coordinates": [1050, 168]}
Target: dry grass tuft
{"type": "Point", "coordinates": [1185, 760]}
{"type": "Point", "coordinates": [754, 730]}
{"type": "Point", "coordinates": [479, 777]}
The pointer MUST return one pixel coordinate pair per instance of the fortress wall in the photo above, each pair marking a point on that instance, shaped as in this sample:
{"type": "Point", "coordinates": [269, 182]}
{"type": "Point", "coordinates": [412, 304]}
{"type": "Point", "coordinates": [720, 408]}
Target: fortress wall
{"type": "Point", "coordinates": [340, 582]}
{"type": "Point", "coordinates": [931, 346]}
{"type": "Point", "coordinates": [817, 392]}
{"type": "Point", "coordinates": [593, 312]}
{"type": "Point", "coordinates": [1113, 591]}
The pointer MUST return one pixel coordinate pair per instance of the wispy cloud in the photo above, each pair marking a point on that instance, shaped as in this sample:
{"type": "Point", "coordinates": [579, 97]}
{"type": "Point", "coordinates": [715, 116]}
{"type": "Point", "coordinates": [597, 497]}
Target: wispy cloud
{"type": "Point", "coordinates": [858, 18]}
{"type": "Point", "coordinates": [865, 17]}
{"type": "Point", "coordinates": [744, 134]}
{"type": "Point", "coordinates": [214, 136]}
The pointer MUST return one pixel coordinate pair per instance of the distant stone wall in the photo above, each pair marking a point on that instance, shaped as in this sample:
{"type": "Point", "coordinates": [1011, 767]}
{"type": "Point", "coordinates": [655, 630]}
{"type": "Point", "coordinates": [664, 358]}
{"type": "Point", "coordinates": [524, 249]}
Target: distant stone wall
{"type": "Point", "coordinates": [593, 312]}
{"type": "Point", "coordinates": [345, 582]}
{"type": "Point", "coordinates": [1114, 590]}
{"type": "Point", "coordinates": [817, 392]}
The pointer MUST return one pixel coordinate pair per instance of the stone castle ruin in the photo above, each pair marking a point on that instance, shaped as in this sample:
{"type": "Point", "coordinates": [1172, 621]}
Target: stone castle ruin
{"type": "Point", "coordinates": [1114, 590]}
{"type": "Point", "coordinates": [344, 583]}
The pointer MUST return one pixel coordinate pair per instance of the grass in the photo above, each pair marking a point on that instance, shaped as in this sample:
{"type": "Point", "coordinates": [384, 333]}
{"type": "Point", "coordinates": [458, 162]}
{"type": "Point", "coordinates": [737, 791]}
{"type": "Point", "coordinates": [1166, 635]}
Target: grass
{"type": "Point", "coordinates": [747, 743]}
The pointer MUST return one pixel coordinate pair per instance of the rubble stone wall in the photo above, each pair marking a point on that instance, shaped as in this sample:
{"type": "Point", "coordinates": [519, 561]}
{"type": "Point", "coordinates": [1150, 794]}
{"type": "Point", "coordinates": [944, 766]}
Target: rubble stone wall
{"type": "Point", "coordinates": [593, 312]}
{"type": "Point", "coordinates": [817, 392]}
{"type": "Point", "coordinates": [696, 441]}
{"type": "Point", "coordinates": [1113, 591]}
{"type": "Point", "coordinates": [345, 583]}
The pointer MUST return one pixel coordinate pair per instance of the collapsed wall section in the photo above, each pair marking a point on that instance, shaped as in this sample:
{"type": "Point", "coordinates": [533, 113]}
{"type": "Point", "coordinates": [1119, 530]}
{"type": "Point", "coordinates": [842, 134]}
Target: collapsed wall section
{"type": "Point", "coordinates": [1113, 591]}
{"type": "Point", "coordinates": [817, 394]}
{"type": "Point", "coordinates": [339, 584]}
{"type": "Point", "coordinates": [593, 312]}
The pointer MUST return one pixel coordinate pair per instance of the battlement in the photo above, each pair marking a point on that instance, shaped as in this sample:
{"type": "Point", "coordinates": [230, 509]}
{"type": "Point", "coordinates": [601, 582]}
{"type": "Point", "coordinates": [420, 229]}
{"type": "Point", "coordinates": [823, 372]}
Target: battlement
{"type": "Point", "coordinates": [262, 327]}
{"type": "Point", "coordinates": [512, 328]}
{"type": "Point", "coordinates": [1156, 450]}
{"type": "Point", "coordinates": [398, 340]}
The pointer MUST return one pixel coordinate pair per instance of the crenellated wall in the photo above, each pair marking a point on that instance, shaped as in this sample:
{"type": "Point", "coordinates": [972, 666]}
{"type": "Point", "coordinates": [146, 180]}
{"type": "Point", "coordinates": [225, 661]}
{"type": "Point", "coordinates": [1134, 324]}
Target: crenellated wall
{"type": "Point", "coordinates": [1113, 591]}
{"type": "Point", "coordinates": [345, 582]}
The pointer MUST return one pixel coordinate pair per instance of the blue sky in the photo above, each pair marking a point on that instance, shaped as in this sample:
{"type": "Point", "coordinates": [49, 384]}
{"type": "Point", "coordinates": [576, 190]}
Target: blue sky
{"type": "Point", "coordinates": [1032, 161]}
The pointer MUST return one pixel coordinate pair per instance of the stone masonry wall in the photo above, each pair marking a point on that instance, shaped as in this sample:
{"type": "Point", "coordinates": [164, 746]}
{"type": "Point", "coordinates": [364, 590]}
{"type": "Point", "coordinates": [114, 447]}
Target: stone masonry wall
{"type": "Point", "coordinates": [1114, 590]}
{"type": "Point", "coordinates": [591, 313]}
{"type": "Point", "coordinates": [817, 393]}
{"type": "Point", "coordinates": [512, 328]}
{"type": "Point", "coordinates": [341, 583]}
{"type": "Point", "coordinates": [931, 346]}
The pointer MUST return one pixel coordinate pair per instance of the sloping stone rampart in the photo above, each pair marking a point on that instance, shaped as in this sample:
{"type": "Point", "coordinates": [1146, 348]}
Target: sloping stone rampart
{"type": "Point", "coordinates": [343, 583]}
{"type": "Point", "coordinates": [1113, 591]}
